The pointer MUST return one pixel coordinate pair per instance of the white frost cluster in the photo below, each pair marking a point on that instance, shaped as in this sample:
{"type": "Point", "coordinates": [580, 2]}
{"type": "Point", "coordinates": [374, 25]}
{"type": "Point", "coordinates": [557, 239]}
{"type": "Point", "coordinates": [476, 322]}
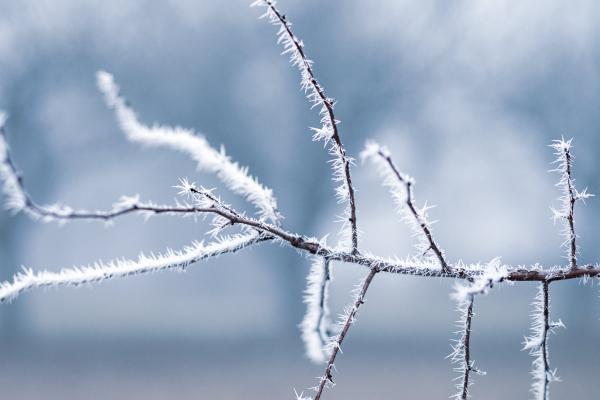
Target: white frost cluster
{"type": "Point", "coordinates": [314, 327]}
{"type": "Point", "coordinates": [235, 177]}
{"type": "Point", "coordinates": [492, 273]}
{"type": "Point", "coordinates": [100, 271]}
{"type": "Point", "coordinates": [397, 185]}
{"type": "Point", "coordinates": [537, 344]}
{"type": "Point", "coordinates": [16, 199]}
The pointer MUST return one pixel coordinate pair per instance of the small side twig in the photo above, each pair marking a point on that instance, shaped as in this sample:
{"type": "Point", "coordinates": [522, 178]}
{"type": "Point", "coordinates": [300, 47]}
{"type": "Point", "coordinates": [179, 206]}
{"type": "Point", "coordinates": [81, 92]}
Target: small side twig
{"type": "Point", "coordinates": [374, 150]}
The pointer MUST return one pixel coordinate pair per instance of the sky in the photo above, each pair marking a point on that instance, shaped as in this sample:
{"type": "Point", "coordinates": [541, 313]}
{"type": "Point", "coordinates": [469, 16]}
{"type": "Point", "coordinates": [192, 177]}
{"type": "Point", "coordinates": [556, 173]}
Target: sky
{"type": "Point", "coordinates": [467, 97]}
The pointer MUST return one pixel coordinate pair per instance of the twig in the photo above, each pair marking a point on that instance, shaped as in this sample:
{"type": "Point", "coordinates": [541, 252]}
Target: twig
{"type": "Point", "coordinates": [234, 176]}
{"type": "Point", "coordinates": [492, 273]}
{"type": "Point", "coordinates": [314, 326]}
{"type": "Point", "coordinates": [19, 199]}
{"type": "Point", "coordinates": [337, 343]}
{"type": "Point", "coordinates": [317, 97]}
{"type": "Point", "coordinates": [100, 271]}
{"type": "Point", "coordinates": [374, 150]}
{"type": "Point", "coordinates": [466, 345]}
{"type": "Point", "coordinates": [569, 196]}
{"type": "Point", "coordinates": [537, 344]}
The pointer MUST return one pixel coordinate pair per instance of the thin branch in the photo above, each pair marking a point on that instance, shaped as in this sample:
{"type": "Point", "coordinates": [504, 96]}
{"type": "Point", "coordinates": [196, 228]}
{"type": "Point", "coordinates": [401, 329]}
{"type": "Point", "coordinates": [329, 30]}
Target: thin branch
{"type": "Point", "coordinates": [398, 181]}
{"type": "Point", "coordinates": [461, 354]}
{"type": "Point", "coordinates": [314, 326]}
{"type": "Point", "coordinates": [18, 199]}
{"type": "Point", "coordinates": [234, 176]}
{"type": "Point", "coordinates": [317, 97]}
{"type": "Point", "coordinates": [337, 343]}
{"type": "Point", "coordinates": [100, 271]}
{"type": "Point", "coordinates": [569, 196]}
{"type": "Point", "coordinates": [537, 344]}
{"type": "Point", "coordinates": [491, 274]}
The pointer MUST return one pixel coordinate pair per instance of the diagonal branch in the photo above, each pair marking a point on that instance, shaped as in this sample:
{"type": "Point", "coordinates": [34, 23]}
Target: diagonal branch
{"type": "Point", "coordinates": [337, 342]}
{"type": "Point", "coordinates": [100, 271]}
{"type": "Point", "coordinates": [318, 98]}
{"type": "Point", "coordinates": [234, 176]}
{"type": "Point", "coordinates": [401, 188]}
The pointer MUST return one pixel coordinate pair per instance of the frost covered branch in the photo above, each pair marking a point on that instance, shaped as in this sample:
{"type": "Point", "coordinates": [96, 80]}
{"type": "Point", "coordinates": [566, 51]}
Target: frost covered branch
{"type": "Point", "coordinates": [491, 274]}
{"type": "Point", "coordinates": [569, 196]}
{"type": "Point", "coordinates": [400, 186]}
{"type": "Point", "coordinates": [346, 321]}
{"type": "Point", "coordinates": [317, 97]}
{"type": "Point", "coordinates": [100, 271]}
{"type": "Point", "coordinates": [236, 178]}
{"type": "Point", "coordinates": [323, 342]}
{"type": "Point", "coordinates": [537, 344]}
{"type": "Point", "coordinates": [315, 325]}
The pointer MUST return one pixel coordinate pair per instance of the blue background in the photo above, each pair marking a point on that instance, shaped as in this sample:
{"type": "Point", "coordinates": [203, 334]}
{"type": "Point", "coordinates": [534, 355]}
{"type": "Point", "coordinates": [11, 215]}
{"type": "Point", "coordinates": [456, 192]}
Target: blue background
{"type": "Point", "coordinates": [466, 96]}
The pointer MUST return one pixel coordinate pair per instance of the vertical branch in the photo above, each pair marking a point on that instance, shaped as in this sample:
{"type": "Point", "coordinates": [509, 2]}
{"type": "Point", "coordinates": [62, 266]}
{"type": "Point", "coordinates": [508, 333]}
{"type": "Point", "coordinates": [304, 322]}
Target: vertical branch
{"type": "Point", "coordinates": [467, 367]}
{"type": "Point", "coordinates": [337, 342]}
{"type": "Point", "coordinates": [461, 351]}
{"type": "Point", "coordinates": [491, 274]}
{"type": "Point", "coordinates": [537, 344]}
{"type": "Point", "coordinates": [401, 188]}
{"type": "Point", "coordinates": [569, 196]}
{"type": "Point", "coordinates": [316, 95]}
{"type": "Point", "coordinates": [314, 326]}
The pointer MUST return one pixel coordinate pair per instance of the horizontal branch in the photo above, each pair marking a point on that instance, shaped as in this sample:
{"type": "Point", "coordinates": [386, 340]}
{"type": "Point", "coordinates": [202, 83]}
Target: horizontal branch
{"type": "Point", "coordinates": [309, 245]}
{"type": "Point", "coordinates": [18, 199]}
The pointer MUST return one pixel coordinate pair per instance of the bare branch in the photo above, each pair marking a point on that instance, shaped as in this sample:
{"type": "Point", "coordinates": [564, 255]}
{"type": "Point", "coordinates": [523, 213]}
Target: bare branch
{"type": "Point", "coordinates": [401, 188]}
{"type": "Point", "coordinates": [347, 322]}
{"type": "Point", "coordinates": [318, 98]}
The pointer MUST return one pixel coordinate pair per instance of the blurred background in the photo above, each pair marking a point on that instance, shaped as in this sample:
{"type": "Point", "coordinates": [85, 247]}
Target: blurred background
{"type": "Point", "coordinates": [466, 95]}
